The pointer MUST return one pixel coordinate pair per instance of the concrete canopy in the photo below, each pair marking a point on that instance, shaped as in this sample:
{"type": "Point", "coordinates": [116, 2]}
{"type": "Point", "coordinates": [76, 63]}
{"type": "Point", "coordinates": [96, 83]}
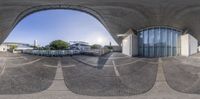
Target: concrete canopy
{"type": "Point", "coordinates": [116, 15]}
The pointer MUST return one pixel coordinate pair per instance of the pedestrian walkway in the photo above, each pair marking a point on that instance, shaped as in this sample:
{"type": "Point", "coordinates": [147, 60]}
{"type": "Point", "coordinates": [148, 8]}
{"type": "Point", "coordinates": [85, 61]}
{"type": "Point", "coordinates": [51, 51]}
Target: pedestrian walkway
{"type": "Point", "coordinates": [161, 89]}
{"type": "Point", "coordinates": [58, 83]}
{"type": "Point", "coordinates": [58, 90]}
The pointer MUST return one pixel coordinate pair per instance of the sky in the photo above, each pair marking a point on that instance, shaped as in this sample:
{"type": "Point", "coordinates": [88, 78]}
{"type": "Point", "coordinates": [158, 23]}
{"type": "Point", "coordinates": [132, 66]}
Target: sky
{"type": "Point", "coordinates": [67, 25]}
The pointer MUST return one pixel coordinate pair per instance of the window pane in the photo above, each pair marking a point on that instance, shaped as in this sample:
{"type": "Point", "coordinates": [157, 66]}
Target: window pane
{"type": "Point", "coordinates": [174, 42]}
{"type": "Point", "coordinates": [159, 41]}
{"type": "Point", "coordinates": [141, 43]}
{"type": "Point", "coordinates": [146, 37]}
{"type": "Point", "coordinates": [169, 39]}
{"type": "Point", "coordinates": [164, 40]}
{"type": "Point", "coordinates": [151, 43]}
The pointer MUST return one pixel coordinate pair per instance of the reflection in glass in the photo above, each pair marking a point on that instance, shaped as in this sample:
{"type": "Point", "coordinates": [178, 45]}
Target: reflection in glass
{"type": "Point", "coordinates": [151, 43]}
{"type": "Point", "coordinates": [159, 42]}
{"type": "Point", "coordinates": [146, 42]}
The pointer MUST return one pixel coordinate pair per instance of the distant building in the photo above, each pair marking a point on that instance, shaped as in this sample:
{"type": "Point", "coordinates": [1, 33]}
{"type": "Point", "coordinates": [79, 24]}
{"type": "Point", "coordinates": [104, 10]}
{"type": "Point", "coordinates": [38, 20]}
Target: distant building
{"type": "Point", "coordinates": [3, 48]}
{"type": "Point", "coordinates": [20, 46]}
{"type": "Point", "coordinates": [35, 43]}
{"type": "Point", "coordinates": [23, 47]}
{"type": "Point", "coordinates": [79, 45]}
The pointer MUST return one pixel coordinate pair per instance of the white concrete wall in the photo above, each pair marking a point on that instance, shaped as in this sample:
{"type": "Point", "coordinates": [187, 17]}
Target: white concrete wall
{"type": "Point", "coordinates": [199, 48]}
{"type": "Point", "coordinates": [193, 42]}
{"type": "Point", "coordinates": [185, 45]}
{"type": "Point", "coordinates": [130, 45]}
{"type": "Point", "coordinates": [127, 45]}
{"type": "Point", "coordinates": [3, 48]}
{"type": "Point", "coordinates": [189, 45]}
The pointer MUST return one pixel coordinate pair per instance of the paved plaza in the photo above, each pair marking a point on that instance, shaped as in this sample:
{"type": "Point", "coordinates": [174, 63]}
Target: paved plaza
{"type": "Point", "coordinates": [111, 76]}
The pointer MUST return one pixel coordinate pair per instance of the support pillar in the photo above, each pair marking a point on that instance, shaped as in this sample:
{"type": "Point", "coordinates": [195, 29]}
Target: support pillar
{"type": "Point", "coordinates": [130, 44]}
{"type": "Point", "coordinates": [189, 45]}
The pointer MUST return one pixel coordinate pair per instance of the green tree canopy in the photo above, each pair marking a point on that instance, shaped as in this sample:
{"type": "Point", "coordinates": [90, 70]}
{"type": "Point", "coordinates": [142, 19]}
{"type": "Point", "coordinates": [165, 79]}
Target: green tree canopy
{"type": "Point", "coordinates": [96, 46]}
{"type": "Point", "coordinates": [58, 45]}
{"type": "Point", "coordinates": [109, 47]}
{"type": "Point", "coordinates": [12, 47]}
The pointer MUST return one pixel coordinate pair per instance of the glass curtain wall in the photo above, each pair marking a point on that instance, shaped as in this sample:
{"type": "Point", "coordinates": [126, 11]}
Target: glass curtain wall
{"type": "Point", "coordinates": [159, 42]}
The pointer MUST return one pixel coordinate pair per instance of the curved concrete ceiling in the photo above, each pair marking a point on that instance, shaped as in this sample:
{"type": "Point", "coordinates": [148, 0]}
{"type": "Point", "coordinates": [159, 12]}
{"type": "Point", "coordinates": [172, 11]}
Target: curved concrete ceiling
{"type": "Point", "coordinates": [116, 15]}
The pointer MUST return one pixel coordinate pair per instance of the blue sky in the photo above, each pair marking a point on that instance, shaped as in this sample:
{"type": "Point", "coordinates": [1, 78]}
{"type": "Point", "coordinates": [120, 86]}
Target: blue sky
{"type": "Point", "coordinates": [67, 25]}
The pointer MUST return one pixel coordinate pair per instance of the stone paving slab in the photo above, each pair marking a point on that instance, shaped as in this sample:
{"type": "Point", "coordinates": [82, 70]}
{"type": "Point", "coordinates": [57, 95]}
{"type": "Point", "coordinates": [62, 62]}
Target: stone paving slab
{"type": "Point", "coordinates": [58, 83]}
{"type": "Point", "coordinates": [181, 76]}
{"type": "Point", "coordinates": [26, 79]}
{"type": "Point", "coordinates": [106, 60]}
{"type": "Point", "coordinates": [161, 90]}
{"type": "Point", "coordinates": [129, 80]}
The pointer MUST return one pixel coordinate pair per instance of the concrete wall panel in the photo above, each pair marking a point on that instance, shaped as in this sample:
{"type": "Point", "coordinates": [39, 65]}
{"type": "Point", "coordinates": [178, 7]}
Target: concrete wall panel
{"type": "Point", "coordinates": [185, 45]}
{"type": "Point", "coordinates": [189, 45]}
{"type": "Point", "coordinates": [116, 15]}
{"type": "Point", "coordinates": [193, 42]}
{"type": "Point", "coordinates": [130, 44]}
{"type": "Point", "coordinates": [126, 45]}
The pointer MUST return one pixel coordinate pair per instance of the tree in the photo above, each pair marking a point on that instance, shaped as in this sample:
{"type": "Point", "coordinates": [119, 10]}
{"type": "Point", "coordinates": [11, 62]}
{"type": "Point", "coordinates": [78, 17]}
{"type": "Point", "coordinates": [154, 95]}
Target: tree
{"type": "Point", "coordinates": [96, 46]}
{"type": "Point", "coordinates": [110, 47]}
{"type": "Point", "coordinates": [47, 47]}
{"type": "Point", "coordinates": [12, 47]}
{"type": "Point", "coordinates": [58, 45]}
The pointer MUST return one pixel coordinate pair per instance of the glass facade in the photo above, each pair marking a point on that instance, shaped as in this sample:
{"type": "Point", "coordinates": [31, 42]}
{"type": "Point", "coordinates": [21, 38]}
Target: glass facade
{"type": "Point", "coordinates": [159, 42]}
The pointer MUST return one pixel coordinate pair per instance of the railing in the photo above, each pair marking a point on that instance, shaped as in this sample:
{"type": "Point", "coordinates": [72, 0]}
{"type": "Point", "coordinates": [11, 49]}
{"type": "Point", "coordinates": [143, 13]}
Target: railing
{"type": "Point", "coordinates": [97, 52]}
{"type": "Point", "coordinates": [51, 52]}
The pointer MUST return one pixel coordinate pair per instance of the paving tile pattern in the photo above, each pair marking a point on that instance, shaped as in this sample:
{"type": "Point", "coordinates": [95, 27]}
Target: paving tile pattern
{"type": "Point", "coordinates": [182, 76]}
{"type": "Point", "coordinates": [27, 79]}
{"type": "Point", "coordinates": [135, 78]}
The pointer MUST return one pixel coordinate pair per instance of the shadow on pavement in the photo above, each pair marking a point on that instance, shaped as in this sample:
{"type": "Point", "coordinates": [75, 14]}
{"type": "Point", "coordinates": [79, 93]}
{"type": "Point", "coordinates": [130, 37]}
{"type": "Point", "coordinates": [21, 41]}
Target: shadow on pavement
{"type": "Point", "coordinates": [102, 60]}
{"type": "Point", "coordinates": [135, 78]}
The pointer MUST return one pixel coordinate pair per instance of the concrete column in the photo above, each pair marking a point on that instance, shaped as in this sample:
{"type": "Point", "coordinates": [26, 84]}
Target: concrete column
{"type": "Point", "coordinates": [199, 49]}
{"type": "Point", "coordinates": [189, 45]}
{"type": "Point", "coordinates": [130, 44]}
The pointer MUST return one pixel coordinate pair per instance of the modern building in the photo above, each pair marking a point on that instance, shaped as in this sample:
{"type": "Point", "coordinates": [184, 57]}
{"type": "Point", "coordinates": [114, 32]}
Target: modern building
{"type": "Point", "coordinates": [24, 47]}
{"type": "Point", "coordinates": [19, 46]}
{"type": "Point", "coordinates": [81, 46]}
{"type": "Point", "coordinates": [35, 43]}
{"type": "Point", "coordinates": [159, 41]}
{"type": "Point", "coordinates": [159, 28]}
{"type": "Point", "coordinates": [3, 48]}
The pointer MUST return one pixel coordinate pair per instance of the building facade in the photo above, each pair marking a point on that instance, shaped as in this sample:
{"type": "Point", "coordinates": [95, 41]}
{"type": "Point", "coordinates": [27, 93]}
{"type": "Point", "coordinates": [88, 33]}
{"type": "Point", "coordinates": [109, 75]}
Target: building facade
{"type": "Point", "coordinates": [3, 48]}
{"type": "Point", "coordinates": [81, 46]}
{"type": "Point", "coordinates": [159, 41]}
{"type": "Point", "coordinates": [19, 46]}
{"type": "Point", "coordinates": [120, 15]}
